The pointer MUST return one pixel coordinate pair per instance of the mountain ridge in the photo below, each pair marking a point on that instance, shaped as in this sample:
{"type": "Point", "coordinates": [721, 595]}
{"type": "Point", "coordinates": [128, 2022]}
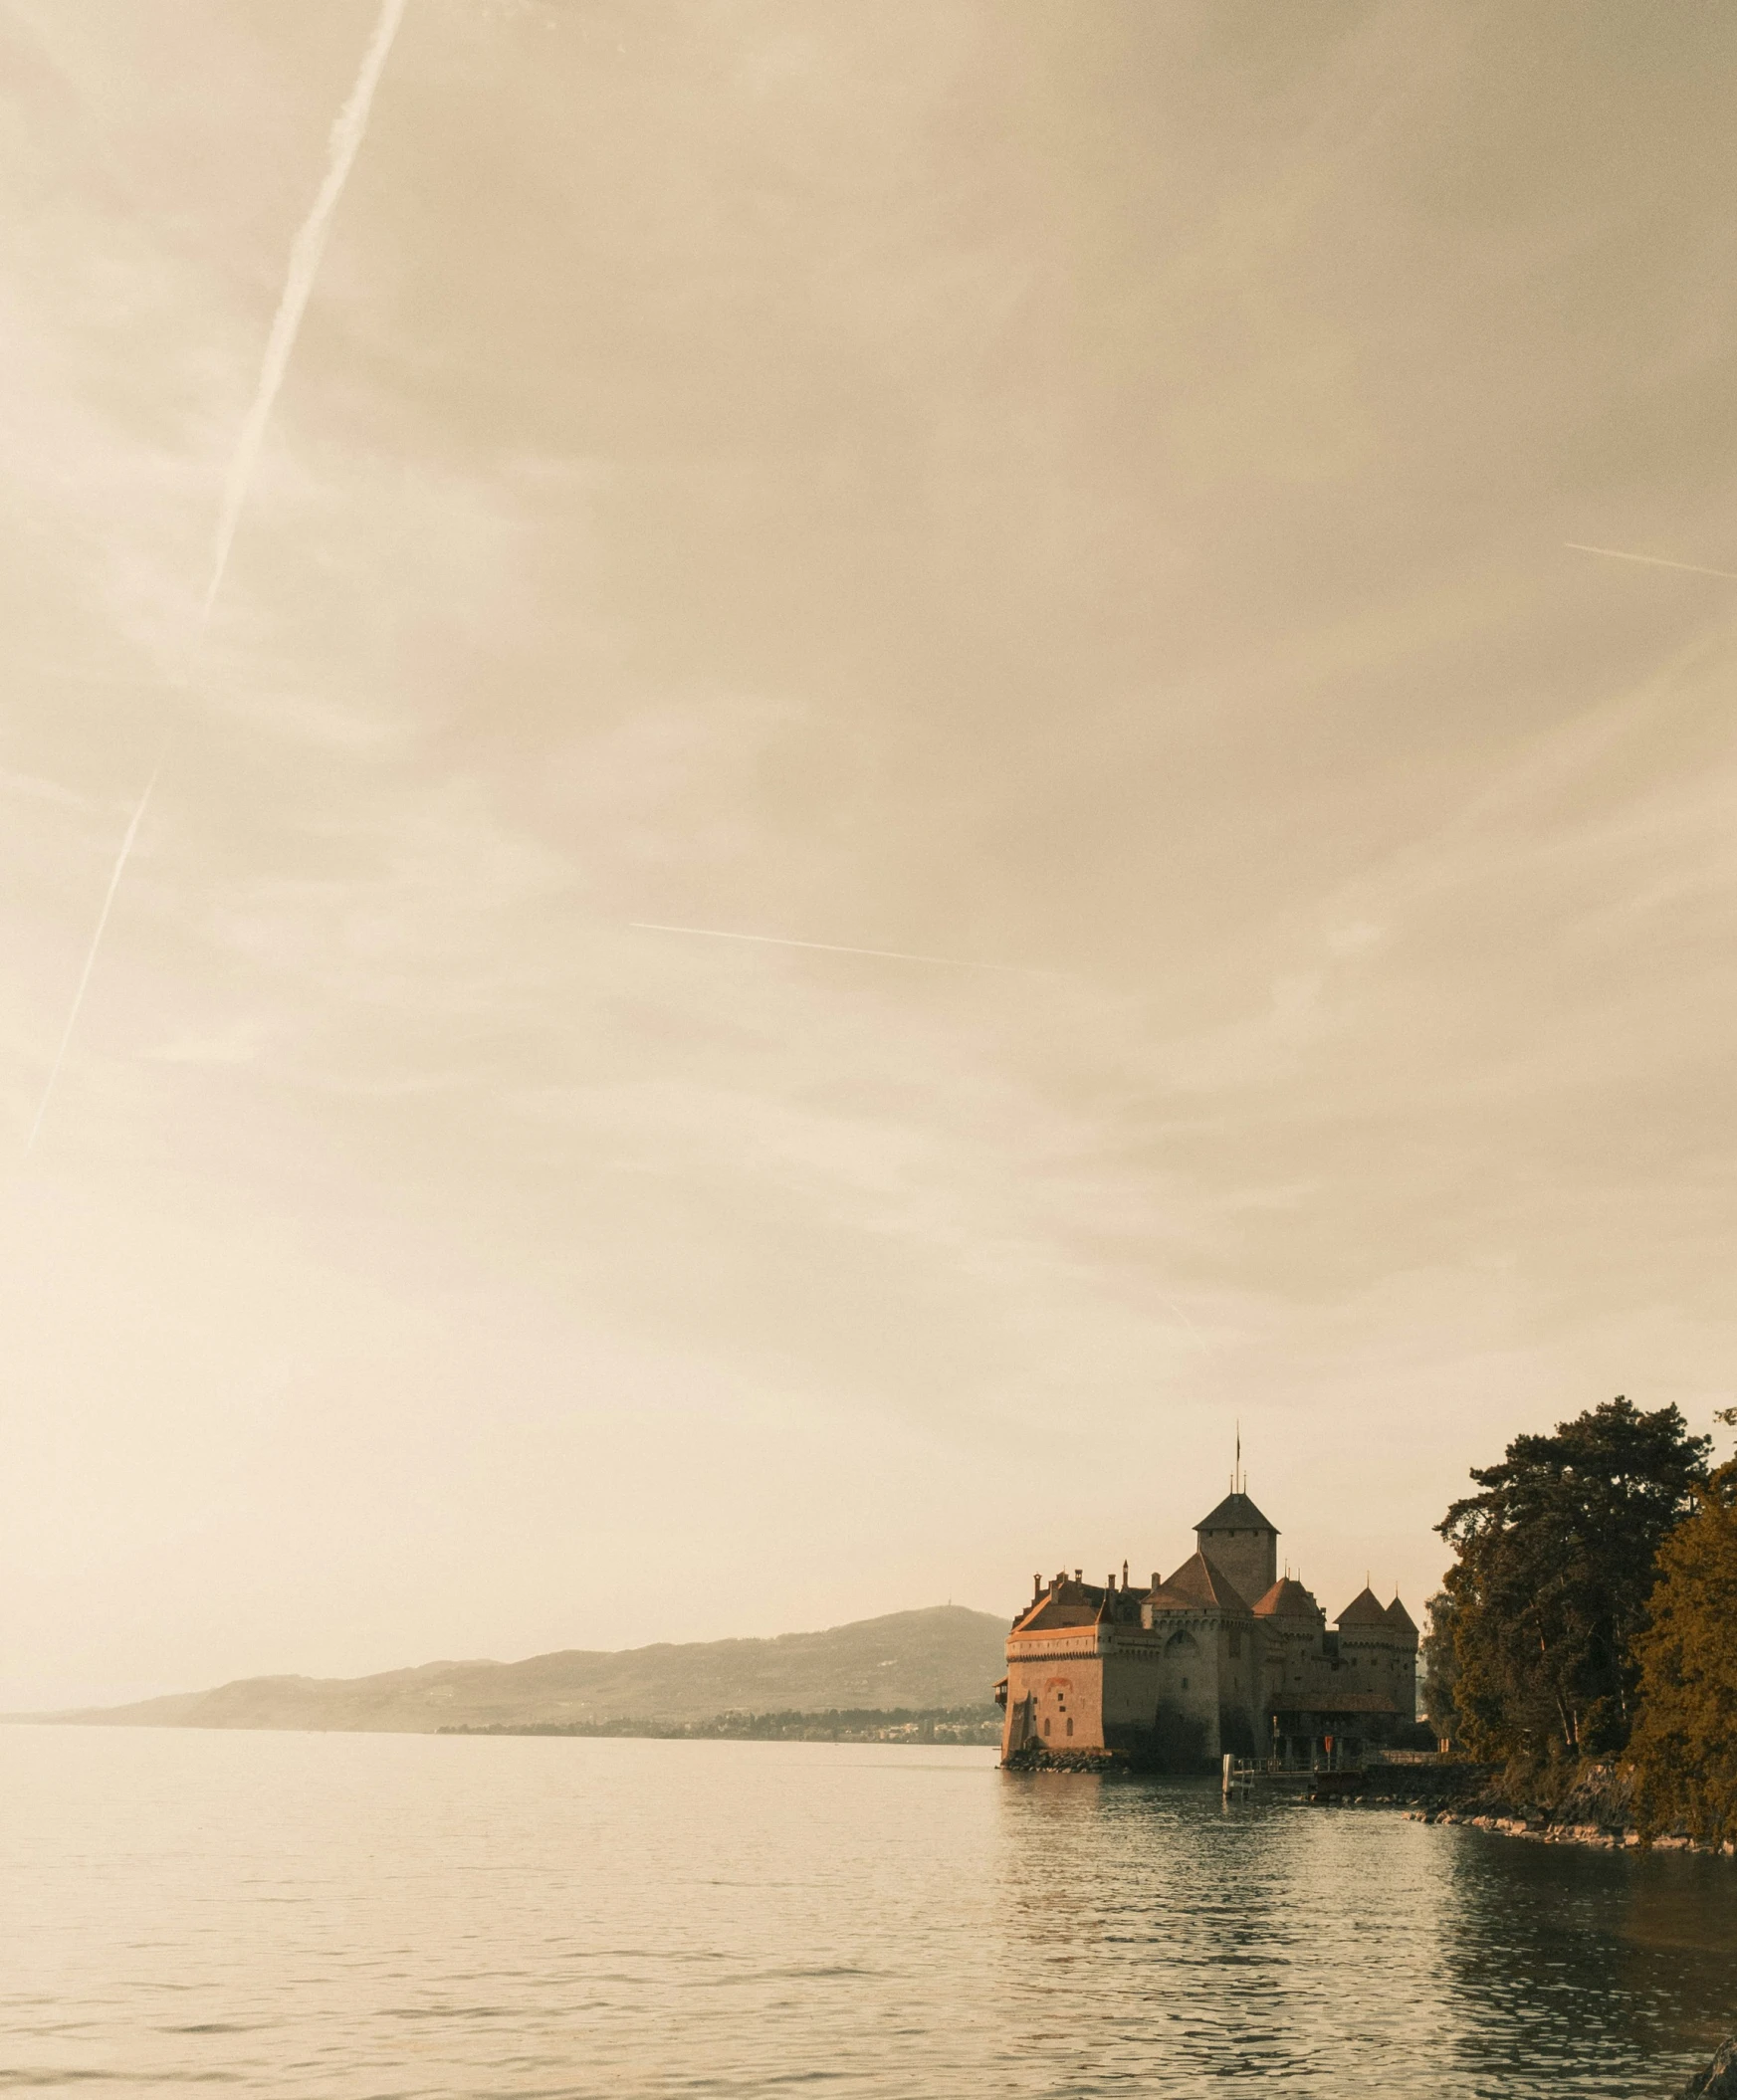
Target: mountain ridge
{"type": "Point", "coordinates": [939, 1656]}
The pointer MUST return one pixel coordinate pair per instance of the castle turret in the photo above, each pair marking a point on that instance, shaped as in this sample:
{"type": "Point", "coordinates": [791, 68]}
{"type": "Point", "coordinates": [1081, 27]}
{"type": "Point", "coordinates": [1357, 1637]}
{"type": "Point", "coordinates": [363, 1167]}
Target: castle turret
{"type": "Point", "coordinates": [1405, 1636]}
{"type": "Point", "coordinates": [1378, 1648]}
{"type": "Point", "coordinates": [1237, 1539]}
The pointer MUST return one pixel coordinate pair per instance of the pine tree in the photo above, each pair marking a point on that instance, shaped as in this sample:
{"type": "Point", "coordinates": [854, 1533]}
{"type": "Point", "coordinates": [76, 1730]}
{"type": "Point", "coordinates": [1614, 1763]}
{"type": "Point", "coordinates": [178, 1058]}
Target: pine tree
{"type": "Point", "coordinates": [1555, 1562]}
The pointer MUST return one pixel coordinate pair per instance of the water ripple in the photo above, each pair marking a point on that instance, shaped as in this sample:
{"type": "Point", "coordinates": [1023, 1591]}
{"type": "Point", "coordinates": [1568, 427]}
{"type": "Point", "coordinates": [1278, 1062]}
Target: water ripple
{"type": "Point", "coordinates": [391, 1918]}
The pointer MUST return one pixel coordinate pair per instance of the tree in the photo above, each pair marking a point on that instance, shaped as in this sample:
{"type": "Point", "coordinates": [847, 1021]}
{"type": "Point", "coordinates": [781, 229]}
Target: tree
{"type": "Point", "coordinates": [1685, 1746]}
{"type": "Point", "coordinates": [1555, 1561]}
{"type": "Point", "coordinates": [1440, 1668]}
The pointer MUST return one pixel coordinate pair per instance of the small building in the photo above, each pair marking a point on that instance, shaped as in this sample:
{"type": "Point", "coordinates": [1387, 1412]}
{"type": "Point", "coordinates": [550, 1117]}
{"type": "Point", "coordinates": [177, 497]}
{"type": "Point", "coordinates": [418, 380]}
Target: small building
{"type": "Point", "coordinates": [1223, 1655]}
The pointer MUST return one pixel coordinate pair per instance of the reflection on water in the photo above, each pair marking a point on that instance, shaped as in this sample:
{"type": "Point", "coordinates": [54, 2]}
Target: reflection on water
{"type": "Point", "coordinates": [419, 1916]}
{"type": "Point", "coordinates": [1345, 1949]}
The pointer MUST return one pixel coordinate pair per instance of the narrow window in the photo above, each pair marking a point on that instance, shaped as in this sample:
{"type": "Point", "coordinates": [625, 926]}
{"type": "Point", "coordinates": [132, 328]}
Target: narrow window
{"type": "Point", "coordinates": [1047, 1724]}
{"type": "Point", "coordinates": [1070, 1727]}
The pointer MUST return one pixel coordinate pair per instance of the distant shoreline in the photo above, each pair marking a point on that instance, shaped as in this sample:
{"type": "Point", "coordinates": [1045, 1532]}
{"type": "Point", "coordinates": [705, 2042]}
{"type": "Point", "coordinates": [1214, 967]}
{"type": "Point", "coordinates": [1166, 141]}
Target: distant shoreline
{"type": "Point", "coordinates": [978, 1728]}
{"type": "Point", "coordinates": [930, 1666]}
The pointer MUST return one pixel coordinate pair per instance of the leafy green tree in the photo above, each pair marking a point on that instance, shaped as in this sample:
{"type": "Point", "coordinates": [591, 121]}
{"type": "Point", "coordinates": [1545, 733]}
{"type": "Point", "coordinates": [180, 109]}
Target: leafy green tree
{"type": "Point", "coordinates": [1684, 1746]}
{"type": "Point", "coordinates": [1440, 1668]}
{"type": "Point", "coordinates": [1555, 1560]}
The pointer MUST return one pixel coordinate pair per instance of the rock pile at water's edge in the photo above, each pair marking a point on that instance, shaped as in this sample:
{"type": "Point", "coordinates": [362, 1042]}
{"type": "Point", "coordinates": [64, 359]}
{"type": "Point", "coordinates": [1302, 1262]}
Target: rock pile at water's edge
{"type": "Point", "coordinates": [1597, 1809]}
{"type": "Point", "coordinates": [1720, 2081]}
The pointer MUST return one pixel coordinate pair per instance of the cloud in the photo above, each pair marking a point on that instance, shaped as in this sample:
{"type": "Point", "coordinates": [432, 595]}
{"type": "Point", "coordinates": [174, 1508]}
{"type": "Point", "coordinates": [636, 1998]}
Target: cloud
{"type": "Point", "coordinates": [1355, 938]}
{"type": "Point", "coordinates": [240, 1043]}
{"type": "Point", "coordinates": [1101, 512]}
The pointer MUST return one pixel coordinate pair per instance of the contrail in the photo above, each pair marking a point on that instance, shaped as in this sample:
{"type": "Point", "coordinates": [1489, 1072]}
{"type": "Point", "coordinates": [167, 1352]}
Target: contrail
{"type": "Point", "coordinates": [90, 953]}
{"type": "Point", "coordinates": [1169, 1305]}
{"type": "Point", "coordinates": [1615, 553]}
{"type": "Point", "coordinates": [305, 253]}
{"type": "Point", "coordinates": [834, 947]}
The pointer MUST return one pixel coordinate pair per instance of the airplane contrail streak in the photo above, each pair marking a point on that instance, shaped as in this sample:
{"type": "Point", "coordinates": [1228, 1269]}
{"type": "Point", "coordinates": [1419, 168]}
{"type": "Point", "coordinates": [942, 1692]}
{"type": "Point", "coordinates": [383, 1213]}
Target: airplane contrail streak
{"type": "Point", "coordinates": [305, 253]}
{"type": "Point", "coordinates": [90, 953]}
{"type": "Point", "coordinates": [1616, 553]}
{"type": "Point", "coordinates": [1169, 1305]}
{"type": "Point", "coordinates": [834, 947]}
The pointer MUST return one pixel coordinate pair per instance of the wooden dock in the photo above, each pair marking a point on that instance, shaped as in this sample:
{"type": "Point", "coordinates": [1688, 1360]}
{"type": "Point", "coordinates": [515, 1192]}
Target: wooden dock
{"type": "Point", "coordinates": [1245, 1778]}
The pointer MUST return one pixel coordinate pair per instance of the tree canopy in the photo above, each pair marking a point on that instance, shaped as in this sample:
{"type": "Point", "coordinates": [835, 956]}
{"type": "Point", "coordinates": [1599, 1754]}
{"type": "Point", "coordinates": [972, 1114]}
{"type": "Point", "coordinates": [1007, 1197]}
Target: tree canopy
{"type": "Point", "coordinates": [1440, 1668]}
{"type": "Point", "coordinates": [1684, 1746]}
{"type": "Point", "coordinates": [1555, 1559]}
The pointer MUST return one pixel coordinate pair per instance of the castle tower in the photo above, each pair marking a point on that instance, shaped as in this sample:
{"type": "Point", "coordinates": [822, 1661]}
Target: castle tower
{"type": "Point", "coordinates": [1237, 1539]}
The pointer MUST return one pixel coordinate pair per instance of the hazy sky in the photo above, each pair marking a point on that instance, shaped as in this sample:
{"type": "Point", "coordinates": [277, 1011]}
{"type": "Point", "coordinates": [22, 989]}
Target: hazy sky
{"type": "Point", "coordinates": [1079, 488]}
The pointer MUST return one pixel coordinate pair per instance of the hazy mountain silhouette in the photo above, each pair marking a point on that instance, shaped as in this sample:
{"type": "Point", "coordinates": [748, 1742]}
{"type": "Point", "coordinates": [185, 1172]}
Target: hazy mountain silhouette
{"type": "Point", "coordinates": [945, 1656]}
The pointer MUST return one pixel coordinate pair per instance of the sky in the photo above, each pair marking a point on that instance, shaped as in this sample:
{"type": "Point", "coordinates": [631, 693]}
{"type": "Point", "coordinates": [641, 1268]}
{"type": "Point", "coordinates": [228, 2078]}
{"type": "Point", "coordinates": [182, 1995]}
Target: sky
{"type": "Point", "coordinates": [1094, 493]}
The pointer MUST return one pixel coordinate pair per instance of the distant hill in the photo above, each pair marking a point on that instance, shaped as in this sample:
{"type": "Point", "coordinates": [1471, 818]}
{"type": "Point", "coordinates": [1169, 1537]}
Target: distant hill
{"type": "Point", "coordinates": [945, 1656]}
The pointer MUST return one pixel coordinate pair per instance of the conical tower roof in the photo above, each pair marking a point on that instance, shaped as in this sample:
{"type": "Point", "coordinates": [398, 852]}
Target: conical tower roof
{"type": "Point", "coordinates": [1236, 1513]}
{"type": "Point", "coordinates": [1365, 1609]}
{"type": "Point", "coordinates": [1396, 1615]}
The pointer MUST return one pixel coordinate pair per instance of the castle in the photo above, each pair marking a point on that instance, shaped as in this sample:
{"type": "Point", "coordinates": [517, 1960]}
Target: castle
{"type": "Point", "coordinates": [1174, 1676]}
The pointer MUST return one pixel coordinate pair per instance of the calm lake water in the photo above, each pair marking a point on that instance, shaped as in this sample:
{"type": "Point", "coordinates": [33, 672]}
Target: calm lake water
{"type": "Point", "coordinates": [380, 1915]}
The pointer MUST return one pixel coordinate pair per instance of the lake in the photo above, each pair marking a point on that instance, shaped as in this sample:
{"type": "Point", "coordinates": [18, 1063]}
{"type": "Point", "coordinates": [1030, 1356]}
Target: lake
{"type": "Point", "coordinates": [414, 1915]}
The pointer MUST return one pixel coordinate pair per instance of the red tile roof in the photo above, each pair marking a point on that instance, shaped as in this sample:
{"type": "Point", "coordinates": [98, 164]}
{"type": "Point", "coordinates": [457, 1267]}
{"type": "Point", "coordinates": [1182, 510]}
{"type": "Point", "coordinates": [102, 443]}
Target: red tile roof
{"type": "Point", "coordinates": [1047, 1616]}
{"type": "Point", "coordinates": [1287, 1599]}
{"type": "Point", "coordinates": [1198, 1581]}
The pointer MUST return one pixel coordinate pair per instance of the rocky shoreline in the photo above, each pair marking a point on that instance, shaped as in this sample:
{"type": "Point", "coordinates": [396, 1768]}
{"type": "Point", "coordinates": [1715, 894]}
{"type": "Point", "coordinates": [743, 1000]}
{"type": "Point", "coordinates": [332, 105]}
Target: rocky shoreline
{"type": "Point", "coordinates": [1507, 1821]}
{"type": "Point", "coordinates": [1596, 1810]}
{"type": "Point", "coordinates": [1718, 2081]}
{"type": "Point", "coordinates": [1038, 1757]}
{"type": "Point", "coordinates": [1614, 1838]}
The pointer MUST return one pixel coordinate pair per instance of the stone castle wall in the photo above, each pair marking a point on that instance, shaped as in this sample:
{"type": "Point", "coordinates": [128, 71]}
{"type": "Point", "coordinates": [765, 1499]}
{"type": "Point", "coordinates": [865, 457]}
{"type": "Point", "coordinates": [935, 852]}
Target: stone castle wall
{"type": "Point", "coordinates": [1249, 1557]}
